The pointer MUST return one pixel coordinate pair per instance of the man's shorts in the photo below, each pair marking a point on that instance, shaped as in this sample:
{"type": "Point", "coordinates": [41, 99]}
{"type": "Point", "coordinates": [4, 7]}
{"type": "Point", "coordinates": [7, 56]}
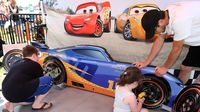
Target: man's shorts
{"type": "Point", "coordinates": [46, 82]}
{"type": "Point", "coordinates": [193, 57]}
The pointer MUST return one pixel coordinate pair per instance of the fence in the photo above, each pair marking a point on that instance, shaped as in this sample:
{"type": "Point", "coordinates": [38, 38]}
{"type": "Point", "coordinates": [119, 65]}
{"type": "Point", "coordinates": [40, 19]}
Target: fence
{"type": "Point", "coordinates": [22, 28]}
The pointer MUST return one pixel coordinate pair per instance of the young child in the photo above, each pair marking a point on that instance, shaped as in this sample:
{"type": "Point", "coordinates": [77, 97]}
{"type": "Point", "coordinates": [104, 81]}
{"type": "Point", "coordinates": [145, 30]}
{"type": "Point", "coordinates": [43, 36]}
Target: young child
{"type": "Point", "coordinates": [125, 99]}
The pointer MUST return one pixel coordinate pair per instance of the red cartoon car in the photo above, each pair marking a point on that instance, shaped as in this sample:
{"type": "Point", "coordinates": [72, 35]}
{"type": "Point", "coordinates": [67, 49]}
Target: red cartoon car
{"type": "Point", "coordinates": [89, 19]}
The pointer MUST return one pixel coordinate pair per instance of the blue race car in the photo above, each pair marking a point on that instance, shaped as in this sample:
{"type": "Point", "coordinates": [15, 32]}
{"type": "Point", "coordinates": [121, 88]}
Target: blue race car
{"type": "Point", "coordinates": [92, 68]}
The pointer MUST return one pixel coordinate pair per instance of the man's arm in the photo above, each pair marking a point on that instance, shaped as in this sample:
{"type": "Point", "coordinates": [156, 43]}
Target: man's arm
{"type": "Point", "coordinates": [157, 45]}
{"type": "Point", "coordinates": [174, 54]}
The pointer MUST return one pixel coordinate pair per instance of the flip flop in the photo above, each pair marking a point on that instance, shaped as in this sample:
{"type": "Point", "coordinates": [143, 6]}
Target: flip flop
{"type": "Point", "coordinates": [44, 106]}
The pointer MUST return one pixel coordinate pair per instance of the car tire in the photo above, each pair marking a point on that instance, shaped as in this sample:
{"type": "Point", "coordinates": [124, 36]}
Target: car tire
{"type": "Point", "coordinates": [127, 32]}
{"type": "Point", "coordinates": [156, 92]}
{"type": "Point", "coordinates": [55, 69]}
{"type": "Point", "coordinates": [108, 27]}
{"type": "Point", "coordinates": [11, 57]}
{"type": "Point", "coordinates": [98, 29]}
{"type": "Point", "coordinates": [115, 27]}
{"type": "Point", "coordinates": [188, 100]}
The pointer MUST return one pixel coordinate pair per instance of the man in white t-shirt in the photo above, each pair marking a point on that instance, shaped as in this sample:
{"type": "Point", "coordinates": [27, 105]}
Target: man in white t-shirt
{"type": "Point", "coordinates": [182, 20]}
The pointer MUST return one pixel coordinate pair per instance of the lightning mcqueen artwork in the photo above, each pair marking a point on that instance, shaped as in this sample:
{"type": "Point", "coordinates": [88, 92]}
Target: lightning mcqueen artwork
{"type": "Point", "coordinates": [90, 18]}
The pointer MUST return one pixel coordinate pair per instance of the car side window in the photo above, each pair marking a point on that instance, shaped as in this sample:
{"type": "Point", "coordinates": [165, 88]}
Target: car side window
{"type": "Point", "coordinates": [87, 10]}
{"type": "Point", "coordinates": [91, 53]}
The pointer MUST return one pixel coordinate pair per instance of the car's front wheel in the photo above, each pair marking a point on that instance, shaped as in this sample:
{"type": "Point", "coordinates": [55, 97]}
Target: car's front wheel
{"type": "Point", "coordinates": [11, 57]}
{"type": "Point", "coordinates": [127, 32]}
{"type": "Point", "coordinates": [156, 92]}
{"type": "Point", "coordinates": [188, 99]}
{"type": "Point", "coordinates": [55, 69]}
{"type": "Point", "coordinates": [99, 28]}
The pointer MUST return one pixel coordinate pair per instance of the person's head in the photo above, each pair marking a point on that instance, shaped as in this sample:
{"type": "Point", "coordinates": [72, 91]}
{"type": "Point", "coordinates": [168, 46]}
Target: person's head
{"type": "Point", "coordinates": [132, 75]}
{"type": "Point", "coordinates": [154, 22]}
{"type": "Point", "coordinates": [13, 2]}
{"type": "Point", "coordinates": [30, 52]}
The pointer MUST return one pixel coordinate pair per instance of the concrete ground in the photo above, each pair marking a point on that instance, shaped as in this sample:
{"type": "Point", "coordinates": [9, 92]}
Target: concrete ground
{"type": "Point", "coordinates": [76, 100]}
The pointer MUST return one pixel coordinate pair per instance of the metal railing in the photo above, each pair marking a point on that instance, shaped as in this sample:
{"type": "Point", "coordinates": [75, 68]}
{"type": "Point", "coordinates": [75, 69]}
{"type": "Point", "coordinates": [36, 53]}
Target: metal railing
{"type": "Point", "coordinates": [22, 28]}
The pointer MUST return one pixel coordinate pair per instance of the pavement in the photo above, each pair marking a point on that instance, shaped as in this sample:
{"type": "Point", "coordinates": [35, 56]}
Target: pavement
{"type": "Point", "coordinates": [75, 100]}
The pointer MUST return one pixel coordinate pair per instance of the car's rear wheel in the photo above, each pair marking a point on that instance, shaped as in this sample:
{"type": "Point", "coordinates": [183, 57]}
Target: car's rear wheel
{"type": "Point", "coordinates": [99, 28]}
{"type": "Point", "coordinates": [108, 27]}
{"type": "Point", "coordinates": [55, 69]}
{"type": "Point", "coordinates": [127, 32]}
{"type": "Point", "coordinates": [188, 99]}
{"type": "Point", "coordinates": [11, 57]}
{"type": "Point", "coordinates": [156, 92]}
{"type": "Point", "coordinates": [115, 27]}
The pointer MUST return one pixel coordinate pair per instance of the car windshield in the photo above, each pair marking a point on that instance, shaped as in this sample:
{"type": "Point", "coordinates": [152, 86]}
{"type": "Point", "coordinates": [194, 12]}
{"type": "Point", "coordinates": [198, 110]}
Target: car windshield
{"type": "Point", "coordinates": [138, 10]}
{"type": "Point", "coordinates": [87, 10]}
{"type": "Point", "coordinates": [91, 53]}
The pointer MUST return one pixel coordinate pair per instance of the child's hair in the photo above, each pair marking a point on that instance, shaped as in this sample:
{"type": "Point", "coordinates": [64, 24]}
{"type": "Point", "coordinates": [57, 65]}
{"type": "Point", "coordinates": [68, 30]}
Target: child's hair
{"type": "Point", "coordinates": [130, 75]}
{"type": "Point", "coordinates": [29, 50]}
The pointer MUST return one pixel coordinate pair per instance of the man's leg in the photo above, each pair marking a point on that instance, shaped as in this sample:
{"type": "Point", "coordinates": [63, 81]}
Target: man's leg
{"type": "Point", "coordinates": [39, 101]}
{"type": "Point", "coordinates": [184, 73]}
{"type": "Point", "coordinates": [191, 60]}
{"type": "Point", "coordinates": [197, 80]}
{"type": "Point", "coordinates": [8, 106]}
{"type": "Point", "coordinates": [46, 83]}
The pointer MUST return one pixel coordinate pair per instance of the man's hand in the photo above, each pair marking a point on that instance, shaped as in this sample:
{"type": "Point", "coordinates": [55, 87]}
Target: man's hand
{"type": "Point", "coordinates": [160, 71]}
{"type": "Point", "coordinates": [140, 64]}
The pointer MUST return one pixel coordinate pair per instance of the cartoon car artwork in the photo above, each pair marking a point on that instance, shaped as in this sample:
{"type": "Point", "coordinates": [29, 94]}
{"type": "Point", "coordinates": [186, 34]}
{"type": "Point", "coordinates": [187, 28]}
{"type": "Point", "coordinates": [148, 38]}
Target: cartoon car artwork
{"type": "Point", "coordinates": [92, 68]}
{"type": "Point", "coordinates": [129, 22]}
{"type": "Point", "coordinates": [90, 18]}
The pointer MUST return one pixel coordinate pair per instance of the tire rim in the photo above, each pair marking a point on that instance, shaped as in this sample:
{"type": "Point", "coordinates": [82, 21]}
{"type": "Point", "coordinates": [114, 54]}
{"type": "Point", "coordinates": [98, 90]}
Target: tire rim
{"type": "Point", "coordinates": [52, 69]}
{"type": "Point", "coordinates": [188, 100]}
{"type": "Point", "coordinates": [13, 58]}
{"type": "Point", "coordinates": [127, 31]}
{"type": "Point", "coordinates": [188, 104]}
{"type": "Point", "coordinates": [98, 31]}
{"type": "Point", "coordinates": [154, 93]}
